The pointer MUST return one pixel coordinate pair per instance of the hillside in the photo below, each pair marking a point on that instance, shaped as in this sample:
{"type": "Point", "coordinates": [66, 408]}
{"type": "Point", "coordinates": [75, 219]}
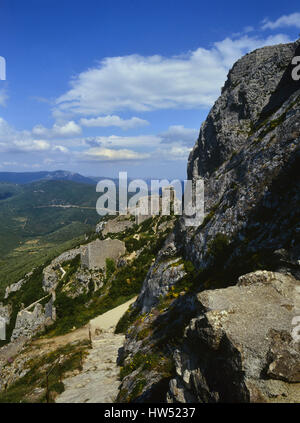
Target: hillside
{"type": "Point", "coordinates": [63, 295]}
{"type": "Point", "coordinates": [216, 317]}
{"type": "Point", "coordinates": [34, 226]}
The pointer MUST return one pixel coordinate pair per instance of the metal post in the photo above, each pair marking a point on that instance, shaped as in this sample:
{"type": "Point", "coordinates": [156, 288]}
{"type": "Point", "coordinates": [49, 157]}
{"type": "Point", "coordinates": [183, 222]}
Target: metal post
{"type": "Point", "coordinates": [47, 389]}
{"type": "Point", "coordinates": [90, 336]}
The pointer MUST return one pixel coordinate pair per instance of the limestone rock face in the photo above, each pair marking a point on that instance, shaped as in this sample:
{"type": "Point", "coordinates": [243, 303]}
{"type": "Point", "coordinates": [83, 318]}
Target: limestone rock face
{"type": "Point", "coordinates": [248, 153]}
{"type": "Point", "coordinates": [84, 280]}
{"type": "Point", "coordinates": [240, 348]}
{"type": "Point", "coordinates": [5, 313]}
{"type": "Point", "coordinates": [162, 275]}
{"type": "Point", "coordinates": [241, 343]}
{"type": "Point", "coordinates": [247, 96]}
{"type": "Point", "coordinates": [160, 280]}
{"type": "Point", "coordinates": [29, 322]}
{"type": "Point", "coordinates": [118, 224]}
{"type": "Point", "coordinates": [53, 273]}
{"type": "Point", "coordinates": [14, 287]}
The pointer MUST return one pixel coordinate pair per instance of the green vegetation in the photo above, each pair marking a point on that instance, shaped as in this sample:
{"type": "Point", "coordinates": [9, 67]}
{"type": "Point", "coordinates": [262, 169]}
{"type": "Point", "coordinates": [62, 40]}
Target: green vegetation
{"type": "Point", "coordinates": [269, 126]}
{"type": "Point", "coordinates": [127, 320]}
{"type": "Point", "coordinates": [121, 284]}
{"type": "Point", "coordinates": [33, 230]}
{"type": "Point", "coordinates": [138, 388]}
{"type": "Point", "coordinates": [110, 268]}
{"type": "Point", "coordinates": [8, 190]}
{"type": "Point", "coordinates": [218, 248]}
{"type": "Point", "coordinates": [30, 292]}
{"type": "Point", "coordinates": [208, 218]}
{"type": "Point", "coordinates": [60, 361]}
{"type": "Point", "coordinates": [154, 361]}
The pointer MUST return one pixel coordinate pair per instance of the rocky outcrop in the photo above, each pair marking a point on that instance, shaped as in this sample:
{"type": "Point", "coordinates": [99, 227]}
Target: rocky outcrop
{"type": "Point", "coordinates": [28, 323]}
{"type": "Point", "coordinates": [118, 224]}
{"type": "Point", "coordinates": [257, 86]}
{"type": "Point", "coordinates": [83, 281]}
{"type": "Point", "coordinates": [14, 287]}
{"type": "Point", "coordinates": [248, 153]}
{"type": "Point", "coordinates": [5, 313]}
{"type": "Point", "coordinates": [236, 343]}
{"type": "Point", "coordinates": [53, 273]}
{"type": "Point", "coordinates": [165, 272]}
{"type": "Point", "coordinates": [240, 347]}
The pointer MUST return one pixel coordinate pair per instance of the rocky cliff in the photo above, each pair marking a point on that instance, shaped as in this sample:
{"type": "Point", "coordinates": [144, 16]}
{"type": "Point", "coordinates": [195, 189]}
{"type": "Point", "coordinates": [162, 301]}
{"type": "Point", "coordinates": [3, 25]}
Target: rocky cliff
{"type": "Point", "coordinates": [215, 320]}
{"type": "Point", "coordinates": [218, 313]}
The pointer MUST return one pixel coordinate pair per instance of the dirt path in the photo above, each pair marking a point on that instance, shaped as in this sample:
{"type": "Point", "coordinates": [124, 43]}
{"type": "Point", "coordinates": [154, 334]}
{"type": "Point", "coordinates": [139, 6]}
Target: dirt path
{"type": "Point", "coordinates": [98, 382]}
{"type": "Point", "coordinates": [109, 319]}
{"type": "Point", "coordinates": [80, 334]}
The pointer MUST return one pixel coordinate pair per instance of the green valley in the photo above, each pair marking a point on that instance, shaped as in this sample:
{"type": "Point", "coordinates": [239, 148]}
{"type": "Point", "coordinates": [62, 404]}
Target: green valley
{"type": "Point", "coordinates": [40, 220]}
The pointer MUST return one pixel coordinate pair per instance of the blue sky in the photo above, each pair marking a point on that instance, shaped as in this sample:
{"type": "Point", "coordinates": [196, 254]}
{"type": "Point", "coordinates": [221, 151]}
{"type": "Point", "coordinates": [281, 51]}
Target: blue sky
{"type": "Point", "coordinates": [99, 87]}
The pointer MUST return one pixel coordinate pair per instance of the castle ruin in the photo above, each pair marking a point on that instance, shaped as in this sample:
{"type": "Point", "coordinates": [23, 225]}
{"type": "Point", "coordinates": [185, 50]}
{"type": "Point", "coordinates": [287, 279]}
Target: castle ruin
{"type": "Point", "coordinates": [155, 204]}
{"type": "Point", "coordinates": [94, 254]}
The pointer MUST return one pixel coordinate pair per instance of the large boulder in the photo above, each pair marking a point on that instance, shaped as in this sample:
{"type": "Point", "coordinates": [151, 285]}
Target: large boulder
{"type": "Point", "coordinates": [241, 348]}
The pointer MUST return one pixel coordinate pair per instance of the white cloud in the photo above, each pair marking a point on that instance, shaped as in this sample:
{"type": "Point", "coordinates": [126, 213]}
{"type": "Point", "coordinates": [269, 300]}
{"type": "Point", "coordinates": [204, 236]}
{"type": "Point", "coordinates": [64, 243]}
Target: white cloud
{"type": "Point", "coordinates": [68, 129]}
{"type": "Point", "coordinates": [113, 120]}
{"type": "Point", "coordinates": [173, 144]}
{"type": "Point", "coordinates": [232, 50]}
{"type": "Point", "coordinates": [179, 153]}
{"type": "Point", "coordinates": [60, 148]}
{"type": "Point", "coordinates": [284, 21]}
{"type": "Point", "coordinates": [178, 133]}
{"type": "Point", "coordinates": [118, 141]}
{"type": "Point", "coordinates": [13, 141]}
{"type": "Point", "coordinates": [145, 83]}
{"type": "Point", "coordinates": [30, 145]}
{"type": "Point", "coordinates": [107, 154]}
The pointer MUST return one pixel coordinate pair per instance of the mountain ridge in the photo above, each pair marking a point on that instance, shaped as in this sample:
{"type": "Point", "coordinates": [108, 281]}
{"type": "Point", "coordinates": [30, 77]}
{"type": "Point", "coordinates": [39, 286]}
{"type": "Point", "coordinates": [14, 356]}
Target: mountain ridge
{"type": "Point", "coordinates": [28, 177]}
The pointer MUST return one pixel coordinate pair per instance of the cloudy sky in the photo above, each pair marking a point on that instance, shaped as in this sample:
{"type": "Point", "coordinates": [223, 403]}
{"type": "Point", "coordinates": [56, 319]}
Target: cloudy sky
{"type": "Point", "coordinates": [102, 86]}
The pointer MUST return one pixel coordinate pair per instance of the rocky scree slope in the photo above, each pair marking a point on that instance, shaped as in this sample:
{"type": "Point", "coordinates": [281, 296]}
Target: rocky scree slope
{"type": "Point", "coordinates": [183, 332]}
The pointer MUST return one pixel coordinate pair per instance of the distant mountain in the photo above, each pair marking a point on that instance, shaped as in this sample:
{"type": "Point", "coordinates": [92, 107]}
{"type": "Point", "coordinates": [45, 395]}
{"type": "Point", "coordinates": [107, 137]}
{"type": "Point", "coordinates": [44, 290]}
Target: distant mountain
{"type": "Point", "coordinates": [57, 175]}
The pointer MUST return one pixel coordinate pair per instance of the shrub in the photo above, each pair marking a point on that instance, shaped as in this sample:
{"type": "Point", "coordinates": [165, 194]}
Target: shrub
{"type": "Point", "coordinates": [110, 268]}
{"type": "Point", "coordinates": [218, 248]}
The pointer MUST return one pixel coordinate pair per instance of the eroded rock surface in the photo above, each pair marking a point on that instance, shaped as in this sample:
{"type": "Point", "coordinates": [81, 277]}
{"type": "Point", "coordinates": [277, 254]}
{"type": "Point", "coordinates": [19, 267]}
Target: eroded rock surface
{"type": "Point", "coordinates": [240, 348]}
{"type": "Point", "coordinates": [239, 341]}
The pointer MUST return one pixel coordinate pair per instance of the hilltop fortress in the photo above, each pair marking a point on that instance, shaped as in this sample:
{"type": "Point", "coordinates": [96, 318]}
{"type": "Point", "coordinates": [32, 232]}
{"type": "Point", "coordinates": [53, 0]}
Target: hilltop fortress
{"type": "Point", "coordinates": [95, 254]}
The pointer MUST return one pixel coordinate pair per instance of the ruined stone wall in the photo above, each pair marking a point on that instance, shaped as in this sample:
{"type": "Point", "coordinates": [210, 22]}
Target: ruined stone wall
{"type": "Point", "coordinates": [119, 224]}
{"type": "Point", "coordinates": [155, 204]}
{"type": "Point", "coordinates": [95, 253]}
